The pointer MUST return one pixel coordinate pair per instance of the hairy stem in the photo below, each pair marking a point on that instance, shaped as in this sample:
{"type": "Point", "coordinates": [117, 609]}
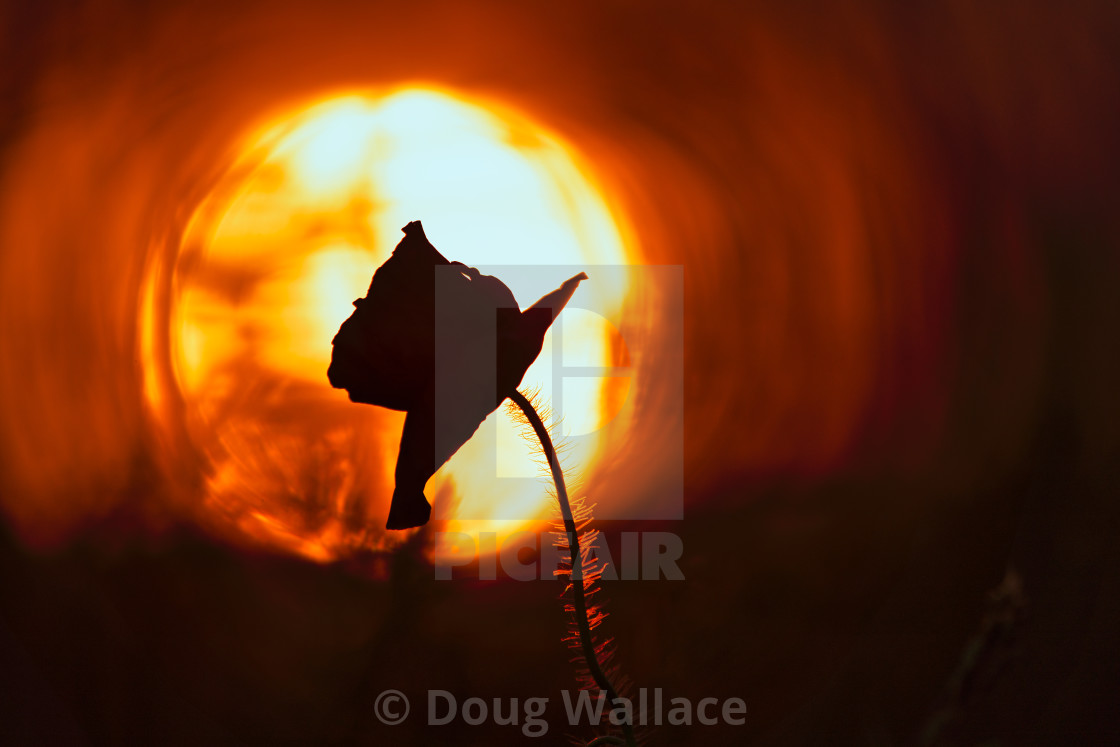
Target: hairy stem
{"type": "Point", "coordinates": [578, 593]}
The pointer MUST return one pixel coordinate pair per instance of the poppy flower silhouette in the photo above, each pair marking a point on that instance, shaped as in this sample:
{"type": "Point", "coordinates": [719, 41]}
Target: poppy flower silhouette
{"type": "Point", "coordinates": [444, 343]}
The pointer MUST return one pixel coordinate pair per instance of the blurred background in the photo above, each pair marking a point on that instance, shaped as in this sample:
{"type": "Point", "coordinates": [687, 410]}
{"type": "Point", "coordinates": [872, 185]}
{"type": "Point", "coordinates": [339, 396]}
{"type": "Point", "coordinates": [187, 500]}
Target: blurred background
{"type": "Point", "coordinates": [898, 232]}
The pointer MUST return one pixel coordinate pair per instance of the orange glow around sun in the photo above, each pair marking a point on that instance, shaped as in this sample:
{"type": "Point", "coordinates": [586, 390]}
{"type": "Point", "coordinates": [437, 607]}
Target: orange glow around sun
{"type": "Point", "coordinates": [290, 236]}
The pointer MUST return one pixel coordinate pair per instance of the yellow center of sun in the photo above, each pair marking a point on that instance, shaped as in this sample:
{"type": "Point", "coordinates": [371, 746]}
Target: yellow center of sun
{"type": "Point", "coordinates": [273, 258]}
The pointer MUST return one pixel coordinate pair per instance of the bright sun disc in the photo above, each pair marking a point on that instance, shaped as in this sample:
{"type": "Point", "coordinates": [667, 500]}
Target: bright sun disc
{"type": "Point", "coordinates": [272, 260]}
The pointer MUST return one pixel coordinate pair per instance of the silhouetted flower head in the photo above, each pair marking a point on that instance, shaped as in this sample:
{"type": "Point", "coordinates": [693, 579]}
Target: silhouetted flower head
{"type": "Point", "coordinates": [433, 331]}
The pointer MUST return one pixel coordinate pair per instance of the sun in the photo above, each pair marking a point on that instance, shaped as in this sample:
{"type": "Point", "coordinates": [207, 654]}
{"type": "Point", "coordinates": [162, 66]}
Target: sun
{"type": "Point", "coordinates": [274, 256]}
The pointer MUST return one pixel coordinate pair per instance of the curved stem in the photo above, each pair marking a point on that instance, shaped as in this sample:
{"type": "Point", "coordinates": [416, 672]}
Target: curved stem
{"type": "Point", "coordinates": [578, 593]}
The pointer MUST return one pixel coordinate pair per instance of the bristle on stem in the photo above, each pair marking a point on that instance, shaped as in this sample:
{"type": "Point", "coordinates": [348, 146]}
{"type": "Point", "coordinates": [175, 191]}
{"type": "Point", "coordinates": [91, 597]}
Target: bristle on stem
{"type": "Point", "coordinates": [583, 571]}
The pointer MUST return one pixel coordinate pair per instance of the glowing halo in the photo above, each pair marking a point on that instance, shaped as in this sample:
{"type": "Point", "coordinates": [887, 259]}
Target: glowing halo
{"type": "Point", "coordinates": [272, 258]}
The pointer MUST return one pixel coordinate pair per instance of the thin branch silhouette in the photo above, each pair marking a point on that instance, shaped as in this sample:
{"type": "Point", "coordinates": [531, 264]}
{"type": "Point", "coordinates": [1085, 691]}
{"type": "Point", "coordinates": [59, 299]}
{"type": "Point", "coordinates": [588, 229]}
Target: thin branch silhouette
{"type": "Point", "coordinates": [591, 654]}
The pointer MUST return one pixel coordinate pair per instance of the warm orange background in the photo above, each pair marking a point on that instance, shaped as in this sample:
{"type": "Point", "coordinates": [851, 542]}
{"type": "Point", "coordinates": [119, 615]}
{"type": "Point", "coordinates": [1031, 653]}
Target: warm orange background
{"type": "Point", "coordinates": [898, 226]}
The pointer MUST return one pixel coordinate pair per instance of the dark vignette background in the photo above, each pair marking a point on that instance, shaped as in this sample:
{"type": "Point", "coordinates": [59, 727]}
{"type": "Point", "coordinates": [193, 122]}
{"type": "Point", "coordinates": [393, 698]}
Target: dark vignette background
{"type": "Point", "coordinates": [899, 230]}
